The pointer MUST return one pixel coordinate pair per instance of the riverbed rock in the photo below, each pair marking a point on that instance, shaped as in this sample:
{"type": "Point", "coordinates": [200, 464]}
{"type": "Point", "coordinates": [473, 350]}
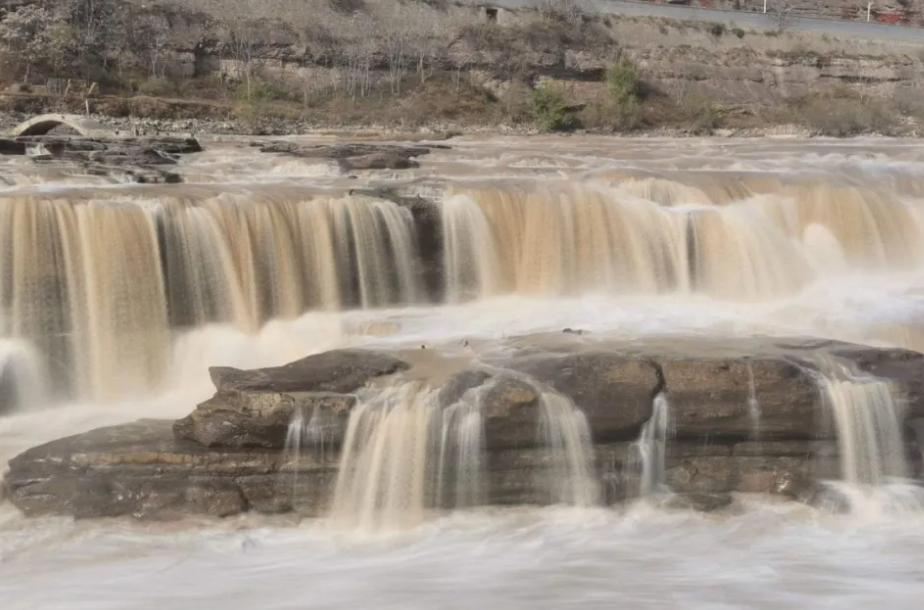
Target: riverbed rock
{"type": "Point", "coordinates": [136, 160]}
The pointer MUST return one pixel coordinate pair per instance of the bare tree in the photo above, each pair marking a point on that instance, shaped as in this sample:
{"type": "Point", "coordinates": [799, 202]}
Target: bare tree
{"type": "Point", "coordinates": [426, 42]}
{"type": "Point", "coordinates": [148, 41]}
{"type": "Point", "coordinates": [393, 31]}
{"type": "Point", "coordinates": [25, 35]}
{"type": "Point", "coordinates": [243, 37]}
{"type": "Point", "coordinates": [93, 26]}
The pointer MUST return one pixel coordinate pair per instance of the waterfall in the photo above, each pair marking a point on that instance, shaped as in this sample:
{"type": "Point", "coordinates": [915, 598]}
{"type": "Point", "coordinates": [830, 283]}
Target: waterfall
{"type": "Point", "coordinates": [753, 404]}
{"type": "Point", "coordinates": [648, 456]}
{"type": "Point", "coordinates": [97, 280]}
{"type": "Point", "coordinates": [565, 435]}
{"type": "Point", "coordinates": [95, 285]}
{"type": "Point", "coordinates": [23, 384]}
{"type": "Point", "coordinates": [868, 420]}
{"type": "Point", "coordinates": [402, 455]}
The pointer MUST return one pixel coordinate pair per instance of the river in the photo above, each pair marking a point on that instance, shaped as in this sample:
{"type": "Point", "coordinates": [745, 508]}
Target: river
{"type": "Point", "coordinates": [245, 265]}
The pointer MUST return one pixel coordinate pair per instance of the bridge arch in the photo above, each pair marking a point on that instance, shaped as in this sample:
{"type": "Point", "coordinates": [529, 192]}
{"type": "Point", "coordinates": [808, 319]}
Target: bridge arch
{"type": "Point", "coordinates": [42, 124]}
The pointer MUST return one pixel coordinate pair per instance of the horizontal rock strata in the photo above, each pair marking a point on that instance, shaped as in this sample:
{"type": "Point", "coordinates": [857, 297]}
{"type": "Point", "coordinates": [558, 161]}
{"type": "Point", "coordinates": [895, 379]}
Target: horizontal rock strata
{"type": "Point", "coordinates": [748, 416]}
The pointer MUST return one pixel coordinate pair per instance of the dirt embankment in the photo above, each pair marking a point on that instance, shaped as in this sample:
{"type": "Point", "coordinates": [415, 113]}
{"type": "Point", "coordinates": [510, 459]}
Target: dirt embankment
{"type": "Point", "coordinates": [527, 71]}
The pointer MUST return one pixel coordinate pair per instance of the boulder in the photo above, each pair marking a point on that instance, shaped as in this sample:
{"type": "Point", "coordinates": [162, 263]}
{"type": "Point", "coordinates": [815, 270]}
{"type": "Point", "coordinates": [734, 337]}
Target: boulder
{"type": "Point", "coordinates": [260, 419]}
{"type": "Point", "coordinates": [353, 156]}
{"type": "Point", "coordinates": [254, 408]}
{"type": "Point", "coordinates": [614, 391]}
{"type": "Point", "coordinates": [341, 371]}
{"type": "Point", "coordinates": [391, 159]}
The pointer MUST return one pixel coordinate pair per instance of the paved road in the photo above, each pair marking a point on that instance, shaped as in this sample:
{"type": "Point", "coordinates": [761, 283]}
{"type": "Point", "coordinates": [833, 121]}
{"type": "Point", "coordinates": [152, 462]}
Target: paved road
{"type": "Point", "coordinates": [838, 28]}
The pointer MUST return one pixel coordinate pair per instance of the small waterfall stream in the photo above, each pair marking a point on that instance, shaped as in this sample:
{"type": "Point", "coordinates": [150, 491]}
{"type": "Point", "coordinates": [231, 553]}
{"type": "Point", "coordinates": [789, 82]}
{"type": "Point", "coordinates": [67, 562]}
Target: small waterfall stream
{"type": "Point", "coordinates": [868, 420]}
{"type": "Point", "coordinates": [564, 433]}
{"type": "Point", "coordinates": [648, 457]}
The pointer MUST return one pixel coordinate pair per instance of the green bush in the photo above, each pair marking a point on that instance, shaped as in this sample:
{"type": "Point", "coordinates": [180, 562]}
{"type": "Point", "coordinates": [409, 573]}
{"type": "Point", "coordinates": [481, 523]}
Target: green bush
{"type": "Point", "coordinates": [623, 82]}
{"type": "Point", "coordinates": [738, 32]}
{"type": "Point", "coordinates": [716, 30]}
{"type": "Point", "coordinates": [550, 110]}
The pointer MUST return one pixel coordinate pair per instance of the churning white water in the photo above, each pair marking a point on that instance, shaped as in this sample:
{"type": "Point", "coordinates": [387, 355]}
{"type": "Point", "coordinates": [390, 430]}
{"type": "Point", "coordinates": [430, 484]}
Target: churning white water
{"type": "Point", "coordinates": [147, 287]}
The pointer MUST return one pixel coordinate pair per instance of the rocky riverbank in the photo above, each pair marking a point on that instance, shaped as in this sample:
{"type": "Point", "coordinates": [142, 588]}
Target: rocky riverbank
{"type": "Point", "coordinates": [711, 418]}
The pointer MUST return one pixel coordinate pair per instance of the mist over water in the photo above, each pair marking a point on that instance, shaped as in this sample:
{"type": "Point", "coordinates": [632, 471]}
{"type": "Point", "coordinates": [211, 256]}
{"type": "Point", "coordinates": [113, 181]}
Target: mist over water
{"type": "Point", "coordinates": [260, 260]}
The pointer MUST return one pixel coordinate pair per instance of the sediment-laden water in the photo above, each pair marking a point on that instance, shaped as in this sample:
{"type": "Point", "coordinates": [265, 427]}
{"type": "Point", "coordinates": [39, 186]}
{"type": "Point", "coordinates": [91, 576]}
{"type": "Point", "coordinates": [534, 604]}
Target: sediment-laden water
{"type": "Point", "coordinates": [114, 300]}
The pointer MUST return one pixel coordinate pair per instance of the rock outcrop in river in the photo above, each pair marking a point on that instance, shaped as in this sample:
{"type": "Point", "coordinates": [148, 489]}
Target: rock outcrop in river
{"type": "Point", "coordinates": [701, 418]}
{"type": "Point", "coordinates": [138, 160]}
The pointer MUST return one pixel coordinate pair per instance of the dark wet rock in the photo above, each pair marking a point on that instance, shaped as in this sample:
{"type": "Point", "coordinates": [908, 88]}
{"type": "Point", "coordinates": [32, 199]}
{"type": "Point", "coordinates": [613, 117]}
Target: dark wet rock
{"type": "Point", "coordinates": [259, 418]}
{"type": "Point", "coordinates": [710, 397]}
{"type": "Point", "coordinates": [136, 175]}
{"type": "Point", "coordinates": [12, 147]}
{"type": "Point", "coordinates": [701, 502]}
{"type": "Point", "coordinates": [77, 145]}
{"type": "Point", "coordinates": [614, 391]}
{"type": "Point", "coordinates": [138, 160]}
{"type": "Point", "coordinates": [353, 157]}
{"type": "Point", "coordinates": [253, 408]}
{"type": "Point", "coordinates": [341, 371]}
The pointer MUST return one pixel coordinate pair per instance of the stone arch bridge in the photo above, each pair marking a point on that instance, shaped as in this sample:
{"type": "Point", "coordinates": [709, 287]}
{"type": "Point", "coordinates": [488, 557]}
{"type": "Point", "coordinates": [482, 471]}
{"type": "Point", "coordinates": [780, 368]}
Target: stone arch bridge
{"type": "Point", "coordinates": [42, 124]}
